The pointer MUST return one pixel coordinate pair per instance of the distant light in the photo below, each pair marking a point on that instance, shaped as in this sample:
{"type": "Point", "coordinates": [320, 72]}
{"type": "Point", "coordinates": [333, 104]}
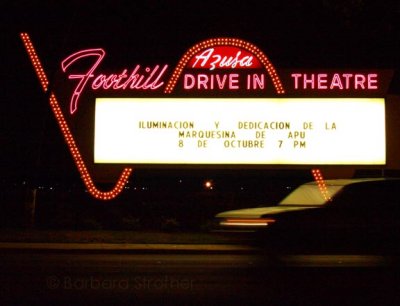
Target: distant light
{"type": "Point", "coordinates": [209, 185]}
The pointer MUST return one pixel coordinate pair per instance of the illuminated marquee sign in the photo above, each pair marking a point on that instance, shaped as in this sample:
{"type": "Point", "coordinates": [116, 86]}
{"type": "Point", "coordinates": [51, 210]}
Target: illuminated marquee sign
{"type": "Point", "coordinates": [240, 131]}
{"type": "Point", "coordinates": [260, 121]}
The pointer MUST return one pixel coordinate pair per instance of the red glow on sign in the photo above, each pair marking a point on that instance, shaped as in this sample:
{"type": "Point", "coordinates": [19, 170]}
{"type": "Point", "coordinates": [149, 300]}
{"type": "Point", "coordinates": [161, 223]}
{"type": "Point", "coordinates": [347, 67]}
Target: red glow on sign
{"type": "Point", "coordinates": [223, 53]}
{"type": "Point", "coordinates": [325, 81]}
{"type": "Point", "coordinates": [136, 79]}
{"type": "Point", "coordinates": [85, 175]}
{"type": "Point", "coordinates": [224, 57]}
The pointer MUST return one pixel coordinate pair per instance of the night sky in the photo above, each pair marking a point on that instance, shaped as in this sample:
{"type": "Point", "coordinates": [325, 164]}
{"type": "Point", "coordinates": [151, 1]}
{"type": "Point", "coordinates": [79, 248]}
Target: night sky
{"type": "Point", "coordinates": [293, 34]}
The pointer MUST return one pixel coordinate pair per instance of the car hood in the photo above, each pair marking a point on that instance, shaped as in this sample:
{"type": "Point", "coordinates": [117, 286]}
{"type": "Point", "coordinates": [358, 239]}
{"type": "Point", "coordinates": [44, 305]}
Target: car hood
{"type": "Point", "coordinates": [258, 212]}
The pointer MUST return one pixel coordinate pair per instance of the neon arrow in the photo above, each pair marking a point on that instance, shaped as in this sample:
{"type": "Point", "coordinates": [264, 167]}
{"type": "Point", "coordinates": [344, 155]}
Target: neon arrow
{"type": "Point", "coordinates": [73, 148]}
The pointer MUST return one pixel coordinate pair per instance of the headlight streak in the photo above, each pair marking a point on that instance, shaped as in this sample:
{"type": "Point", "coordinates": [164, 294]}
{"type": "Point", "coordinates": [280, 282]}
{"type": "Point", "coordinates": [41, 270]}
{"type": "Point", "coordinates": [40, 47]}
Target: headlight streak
{"type": "Point", "coordinates": [246, 222]}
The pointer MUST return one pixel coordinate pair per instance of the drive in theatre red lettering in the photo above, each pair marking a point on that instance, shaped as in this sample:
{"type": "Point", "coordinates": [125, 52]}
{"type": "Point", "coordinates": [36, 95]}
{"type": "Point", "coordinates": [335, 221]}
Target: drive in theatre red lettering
{"type": "Point", "coordinates": [222, 57]}
{"type": "Point", "coordinates": [218, 64]}
{"type": "Point", "coordinates": [347, 81]}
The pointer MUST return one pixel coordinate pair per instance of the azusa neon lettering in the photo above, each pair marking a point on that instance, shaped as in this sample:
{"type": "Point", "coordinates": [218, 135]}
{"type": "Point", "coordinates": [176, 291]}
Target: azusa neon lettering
{"type": "Point", "coordinates": [209, 58]}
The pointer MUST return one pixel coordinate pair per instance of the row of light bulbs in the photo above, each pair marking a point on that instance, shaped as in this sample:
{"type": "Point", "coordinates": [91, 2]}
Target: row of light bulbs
{"type": "Point", "coordinates": [317, 174]}
{"type": "Point", "coordinates": [224, 42]}
{"type": "Point", "coordinates": [123, 179]}
{"type": "Point", "coordinates": [85, 175]}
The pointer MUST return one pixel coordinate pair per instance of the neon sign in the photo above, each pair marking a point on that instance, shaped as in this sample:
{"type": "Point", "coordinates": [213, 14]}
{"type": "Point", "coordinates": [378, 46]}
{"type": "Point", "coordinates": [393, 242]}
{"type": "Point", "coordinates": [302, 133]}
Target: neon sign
{"type": "Point", "coordinates": [357, 81]}
{"type": "Point", "coordinates": [202, 55]}
{"type": "Point", "coordinates": [219, 64]}
{"type": "Point", "coordinates": [225, 58]}
{"type": "Point", "coordinates": [75, 152]}
{"type": "Point", "coordinates": [149, 79]}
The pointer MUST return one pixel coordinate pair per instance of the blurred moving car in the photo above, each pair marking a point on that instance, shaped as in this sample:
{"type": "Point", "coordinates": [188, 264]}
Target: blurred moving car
{"type": "Point", "coordinates": [346, 212]}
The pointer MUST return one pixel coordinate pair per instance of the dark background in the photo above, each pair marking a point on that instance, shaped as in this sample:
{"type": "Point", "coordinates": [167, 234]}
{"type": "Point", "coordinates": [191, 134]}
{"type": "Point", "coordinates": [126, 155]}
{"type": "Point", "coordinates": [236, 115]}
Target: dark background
{"type": "Point", "coordinates": [354, 34]}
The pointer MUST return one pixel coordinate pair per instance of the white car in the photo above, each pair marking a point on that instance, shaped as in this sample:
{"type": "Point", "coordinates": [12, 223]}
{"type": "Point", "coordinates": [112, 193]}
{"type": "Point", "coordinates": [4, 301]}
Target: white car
{"type": "Point", "coordinates": [340, 203]}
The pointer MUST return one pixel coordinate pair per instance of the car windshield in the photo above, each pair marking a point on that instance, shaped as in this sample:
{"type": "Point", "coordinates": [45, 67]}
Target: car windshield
{"type": "Point", "coordinates": [311, 194]}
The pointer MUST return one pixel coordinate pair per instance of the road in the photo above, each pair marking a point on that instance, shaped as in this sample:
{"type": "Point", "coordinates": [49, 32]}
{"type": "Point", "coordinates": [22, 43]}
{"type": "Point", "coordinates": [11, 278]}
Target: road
{"type": "Point", "coordinates": [195, 278]}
